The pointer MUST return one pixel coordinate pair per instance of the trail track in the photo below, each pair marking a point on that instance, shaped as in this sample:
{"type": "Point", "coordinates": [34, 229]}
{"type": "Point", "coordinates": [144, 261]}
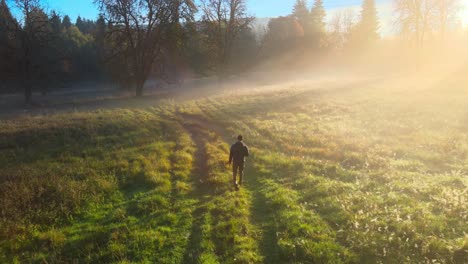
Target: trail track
{"type": "Point", "coordinates": [264, 232]}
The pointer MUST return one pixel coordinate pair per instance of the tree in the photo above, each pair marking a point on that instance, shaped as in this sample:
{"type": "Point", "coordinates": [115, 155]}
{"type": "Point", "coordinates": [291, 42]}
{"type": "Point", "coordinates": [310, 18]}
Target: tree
{"type": "Point", "coordinates": [301, 13]}
{"type": "Point", "coordinates": [140, 29]}
{"type": "Point", "coordinates": [34, 37]}
{"type": "Point", "coordinates": [100, 41]}
{"type": "Point", "coordinates": [66, 22]}
{"type": "Point", "coordinates": [342, 25]}
{"type": "Point", "coordinates": [80, 54]}
{"type": "Point", "coordinates": [196, 52]}
{"type": "Point", "coordinates": [415, 17]}
{"type": "Point", "coordinates": [86, 26]}
{"type": "Point", "coordinates": [419, 18]}
{"type": "Point", "coordinates": [224, 20]}
{"type": "Point", "coordinates": [317, 17]}
{"type": "Point", "coordinates": [79, 24]}
{"type": "Point", "coordinates": [8, 23]}
{"type": "Point", "coordinates": [446, 12]}
{"type": "Point", "coordinates": [8, 42]}
{"type": "Point", "coordinates": [369, 25]}
{"type": "Point", "coordinates": [56, 23]}
{"type": "Point", "coordinates": [56, 48]}
{"type": "Point", "coordinates": [245, 50]}
{"type": "Point", "coordinates": [282, 35]}
{"type": "Point", "coordinates": [317, 20]}
{"type": "Point", "coordinates": [173, 66]}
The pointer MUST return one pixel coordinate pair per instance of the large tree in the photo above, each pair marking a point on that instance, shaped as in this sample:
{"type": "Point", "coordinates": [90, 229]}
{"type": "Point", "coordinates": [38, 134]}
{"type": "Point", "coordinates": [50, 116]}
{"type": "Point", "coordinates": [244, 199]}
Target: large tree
{"type": "Point", "coordinates": [317, 23]}
{"type": "Point", "coordinates": [317, 17]}
{"type": "Point", "coordinates": [56, 23]}
{"type": "Point", "coordinates": [282, 36]}
{"type": "Point", "coordinates": [34, 36]}
{"type": "Point", "coordinates": [420, 18]}
{"type": "Point", "coordinates": [66, 22]}
{"type": "Point", "coordinates": [8, 24]}
{"type": "Point", "coordinates": [368, 27]}
{"type": "Point", "coordinates": [342, 25]}
{"type": "Point", "coordinates": [446, 12]}
{"type": "Point", "coordinates": [140, 29]}
{"type": "Point", "coordinates": [223, 21]}
{"type": "Point", "coordinates": [173, 66]}
{"type": "Point", "coordinates": [301, 13]}
{"type": "Point", "coordinates": [100, 42]}
{"type": "Point", "coordinates": [8, 42]}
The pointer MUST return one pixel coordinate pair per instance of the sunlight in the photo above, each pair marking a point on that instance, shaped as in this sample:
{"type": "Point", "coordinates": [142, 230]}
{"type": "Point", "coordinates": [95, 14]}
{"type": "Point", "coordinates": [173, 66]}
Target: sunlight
{"type": "Point", "coordinates": [234, 131]}
{"type": "Point", "coordinates": [464, 13]}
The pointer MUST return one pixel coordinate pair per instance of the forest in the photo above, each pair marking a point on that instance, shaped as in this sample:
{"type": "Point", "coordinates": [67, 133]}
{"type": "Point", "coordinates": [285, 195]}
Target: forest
{"type": "Point", "coordinates": [131, 42]}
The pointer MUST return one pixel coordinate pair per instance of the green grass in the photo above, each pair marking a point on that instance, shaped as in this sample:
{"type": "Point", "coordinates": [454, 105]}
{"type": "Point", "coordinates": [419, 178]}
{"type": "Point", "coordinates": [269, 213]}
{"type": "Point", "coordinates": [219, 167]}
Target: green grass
{"type": "Point", "coordinates": [381, 179]}
{"type": "Point", "coordinates": [106, 186]}
{"type": "Point", "coordinates": [367, 176]}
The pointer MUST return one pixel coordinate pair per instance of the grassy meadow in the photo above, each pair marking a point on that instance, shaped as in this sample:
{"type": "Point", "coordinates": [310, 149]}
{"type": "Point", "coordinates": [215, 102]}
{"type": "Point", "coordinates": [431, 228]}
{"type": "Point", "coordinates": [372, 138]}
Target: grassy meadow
{"type": "Point", "coordinates": [341, 172]}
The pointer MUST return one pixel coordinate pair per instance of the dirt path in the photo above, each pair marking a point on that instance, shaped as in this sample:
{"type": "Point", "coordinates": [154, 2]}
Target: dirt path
{"type": "Point", "coordinates": [260, 219]}
{"type": "Point", "coordinates": [199, 137]}
{"type": "Point", "coordinates": [200, 170]}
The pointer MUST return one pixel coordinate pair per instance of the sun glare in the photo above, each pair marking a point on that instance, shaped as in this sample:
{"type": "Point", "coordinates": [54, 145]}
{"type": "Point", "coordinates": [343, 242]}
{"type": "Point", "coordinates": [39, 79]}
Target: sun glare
{"type": "Point", "coordinates": [464, 13]}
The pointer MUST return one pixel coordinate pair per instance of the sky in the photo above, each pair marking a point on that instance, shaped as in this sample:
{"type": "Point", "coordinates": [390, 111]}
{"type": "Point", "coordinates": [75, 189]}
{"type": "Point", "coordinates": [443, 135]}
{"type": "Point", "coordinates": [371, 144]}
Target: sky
{"type": "Point", "coordinates": [273, 8]}
{"type": "Point", "coordinates": [258, 8]}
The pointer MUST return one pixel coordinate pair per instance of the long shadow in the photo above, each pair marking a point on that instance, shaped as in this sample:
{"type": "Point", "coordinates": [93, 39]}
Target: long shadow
{"type": "Point", "coordinates": [19, 110]}
{"type": "Point", "coordinates": [261, 217]}
{"type": "Point", "coordinates": [194, 249]}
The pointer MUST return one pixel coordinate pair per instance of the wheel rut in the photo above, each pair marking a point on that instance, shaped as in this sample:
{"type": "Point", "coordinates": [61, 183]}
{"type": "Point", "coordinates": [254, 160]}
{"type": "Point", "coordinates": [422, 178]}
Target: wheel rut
{"type": "Point", "coordinates": [200, 130]}
{"type": "Point", "coordinates": [200, 171]}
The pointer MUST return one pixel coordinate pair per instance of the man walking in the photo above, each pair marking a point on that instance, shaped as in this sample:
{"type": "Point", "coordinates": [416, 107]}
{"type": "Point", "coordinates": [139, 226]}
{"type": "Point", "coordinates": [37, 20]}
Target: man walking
{"type": "Point", "coordinates": [237, 157]}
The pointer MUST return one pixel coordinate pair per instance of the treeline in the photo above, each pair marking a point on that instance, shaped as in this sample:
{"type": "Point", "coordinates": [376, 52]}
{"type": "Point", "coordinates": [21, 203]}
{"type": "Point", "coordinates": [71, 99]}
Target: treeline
{"type": "Point", "coordinates": [307, 32]}
{"type": "Point", "coordinates": [128, 43]}
{"type": "Point", "coordinates": [45, 50]}
{"type": "Point", "coordinates": [134, 40]}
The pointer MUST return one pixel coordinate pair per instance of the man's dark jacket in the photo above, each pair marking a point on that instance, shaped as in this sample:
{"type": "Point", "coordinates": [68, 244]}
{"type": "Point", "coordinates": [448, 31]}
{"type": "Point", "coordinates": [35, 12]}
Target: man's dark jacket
{"type": "Point", "coordinates": [238, 152]}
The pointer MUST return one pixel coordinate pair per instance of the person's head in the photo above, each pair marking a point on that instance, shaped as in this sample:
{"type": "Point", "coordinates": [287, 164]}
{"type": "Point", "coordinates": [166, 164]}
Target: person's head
{"type": "Point", "coordinates": [240, 138]}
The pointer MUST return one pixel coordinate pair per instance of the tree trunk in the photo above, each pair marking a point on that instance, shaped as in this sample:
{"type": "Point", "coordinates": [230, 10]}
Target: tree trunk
{"type": "Point", "coordinates": [27, 93]}
{"type": "Point", "coordinates": [139, 88]}
{"type": "Point", "coordinates": [27, 81]}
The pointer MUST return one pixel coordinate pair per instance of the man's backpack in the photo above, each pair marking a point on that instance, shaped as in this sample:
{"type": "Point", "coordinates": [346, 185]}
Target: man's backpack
{"type": "Point", "coordinates": [239, 151]}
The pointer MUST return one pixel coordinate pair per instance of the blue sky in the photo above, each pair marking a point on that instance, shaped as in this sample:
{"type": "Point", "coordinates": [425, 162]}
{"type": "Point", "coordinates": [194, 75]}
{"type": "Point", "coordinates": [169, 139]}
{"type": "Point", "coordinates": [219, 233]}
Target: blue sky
{"type": "Point", "coordinates": [259, 8]}
{"type": "Point", "coordinates": [272, 8]}
{"type": "Point", "coordinates": [73, 8]}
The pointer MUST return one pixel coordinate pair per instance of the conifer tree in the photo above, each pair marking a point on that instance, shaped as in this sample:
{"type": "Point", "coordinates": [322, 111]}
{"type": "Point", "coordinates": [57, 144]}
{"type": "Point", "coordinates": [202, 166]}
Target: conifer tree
{"type": "Point", "coordinates": [301, 13]}
{"type": "Point", "coordinates": [8, 28]}
{"type": "Point", "coordinates": [369, 25]}
{"type": "Point", "coordinates": [317, 17]}
{"type": "Point", "coordinates": [66, 22]}
{"type": "Point", "coordinates": [317, 29]}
